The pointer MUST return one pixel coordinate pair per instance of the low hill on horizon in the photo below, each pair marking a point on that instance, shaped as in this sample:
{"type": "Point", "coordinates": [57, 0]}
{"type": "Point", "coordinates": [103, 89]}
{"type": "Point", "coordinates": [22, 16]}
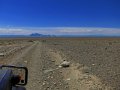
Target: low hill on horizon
{"type": "Point", "coordinates": [42, 35]}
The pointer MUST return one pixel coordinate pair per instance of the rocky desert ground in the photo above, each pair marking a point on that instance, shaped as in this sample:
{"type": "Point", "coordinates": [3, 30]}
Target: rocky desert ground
{"type": "Point", "coordinates": [94, 63]}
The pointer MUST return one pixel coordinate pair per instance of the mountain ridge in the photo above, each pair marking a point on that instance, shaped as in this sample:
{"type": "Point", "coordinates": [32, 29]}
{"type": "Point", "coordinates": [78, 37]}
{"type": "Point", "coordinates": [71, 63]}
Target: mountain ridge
{"type": "Point", "coordinates": [42, 35]}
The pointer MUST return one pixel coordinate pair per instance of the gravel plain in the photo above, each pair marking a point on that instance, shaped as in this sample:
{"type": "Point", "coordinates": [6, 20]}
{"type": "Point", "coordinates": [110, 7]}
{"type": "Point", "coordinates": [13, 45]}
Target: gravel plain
{"type": "Point", "coordinates": [94, 62]}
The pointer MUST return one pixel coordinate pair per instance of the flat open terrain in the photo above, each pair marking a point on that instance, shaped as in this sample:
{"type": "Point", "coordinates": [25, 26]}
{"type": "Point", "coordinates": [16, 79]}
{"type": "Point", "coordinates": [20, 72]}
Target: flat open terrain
{"type": "Point", "coordinates": [94, 62]}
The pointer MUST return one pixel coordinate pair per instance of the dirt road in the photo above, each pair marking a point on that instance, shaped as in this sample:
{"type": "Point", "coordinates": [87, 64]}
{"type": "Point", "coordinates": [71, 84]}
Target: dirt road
{"type": "Point", "coordinates": [45, 73]}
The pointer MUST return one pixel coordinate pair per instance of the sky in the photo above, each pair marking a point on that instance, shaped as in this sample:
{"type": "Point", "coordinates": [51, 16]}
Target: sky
{"type": "Point", "coordinates": [60, 17]}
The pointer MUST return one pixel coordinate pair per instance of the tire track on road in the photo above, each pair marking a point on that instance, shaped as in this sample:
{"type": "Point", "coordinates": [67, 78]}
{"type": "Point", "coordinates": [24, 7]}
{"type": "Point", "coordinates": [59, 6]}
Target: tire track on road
{"type": "Point", "coordinates": [35, 68]}
{"type": "Point", "coordinates": [31, 58]}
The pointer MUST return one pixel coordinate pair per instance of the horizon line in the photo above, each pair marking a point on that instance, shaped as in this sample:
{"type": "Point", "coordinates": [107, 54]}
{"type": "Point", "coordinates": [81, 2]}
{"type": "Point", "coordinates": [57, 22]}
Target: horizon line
{"type": "Point", "coordinates": [59, 30]}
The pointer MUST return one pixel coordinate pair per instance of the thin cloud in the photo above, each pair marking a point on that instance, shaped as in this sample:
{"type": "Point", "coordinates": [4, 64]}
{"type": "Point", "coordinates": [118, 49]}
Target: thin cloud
{"type": "Point", "coordinates": [60, 31]}
{"type": "Point", "coordinates": [91, 31]}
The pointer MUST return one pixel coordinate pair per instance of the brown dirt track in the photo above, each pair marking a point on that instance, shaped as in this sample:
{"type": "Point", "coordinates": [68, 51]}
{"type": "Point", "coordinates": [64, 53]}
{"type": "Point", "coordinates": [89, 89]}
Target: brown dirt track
{"type": "Point", "coordinates": [94, 63]}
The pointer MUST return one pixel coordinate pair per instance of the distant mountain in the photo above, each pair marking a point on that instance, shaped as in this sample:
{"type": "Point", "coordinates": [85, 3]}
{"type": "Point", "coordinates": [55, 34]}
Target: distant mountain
{"type": "Point", "coordinates": [29, 36]}
{"type": "Point", "coordinates": [34, 35]}
{"type": "Point", "coordinates": [40, 35]}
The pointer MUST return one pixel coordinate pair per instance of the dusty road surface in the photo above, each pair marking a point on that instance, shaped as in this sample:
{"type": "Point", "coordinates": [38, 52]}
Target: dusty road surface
{"type": "Point", "coordinates": [41, 68]}
{"type": "Point", "coordinates": [45, 72]}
